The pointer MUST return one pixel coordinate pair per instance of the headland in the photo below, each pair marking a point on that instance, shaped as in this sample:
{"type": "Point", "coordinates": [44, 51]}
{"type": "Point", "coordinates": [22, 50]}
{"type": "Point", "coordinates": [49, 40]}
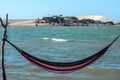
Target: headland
{"type": "Point", "coordinates": [59, 20]}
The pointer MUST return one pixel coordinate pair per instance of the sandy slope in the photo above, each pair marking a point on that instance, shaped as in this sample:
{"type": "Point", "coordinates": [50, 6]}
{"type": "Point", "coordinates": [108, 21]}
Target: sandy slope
{"type": "Point", "coordinates": [97, 17]}
{"type": "Point", "coordinates": [23, 22]}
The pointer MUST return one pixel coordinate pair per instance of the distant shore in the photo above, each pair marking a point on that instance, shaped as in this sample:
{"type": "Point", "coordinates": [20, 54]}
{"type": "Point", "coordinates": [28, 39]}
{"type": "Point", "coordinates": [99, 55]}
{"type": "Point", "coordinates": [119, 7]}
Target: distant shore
{"type": "Point", "coordinates": [32, 22]}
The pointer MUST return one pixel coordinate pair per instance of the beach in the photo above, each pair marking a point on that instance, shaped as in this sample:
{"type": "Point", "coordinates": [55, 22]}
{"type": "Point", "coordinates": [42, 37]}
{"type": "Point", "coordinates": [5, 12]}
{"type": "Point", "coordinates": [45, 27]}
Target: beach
{"type": "Point", "coordinates": [21, 22]}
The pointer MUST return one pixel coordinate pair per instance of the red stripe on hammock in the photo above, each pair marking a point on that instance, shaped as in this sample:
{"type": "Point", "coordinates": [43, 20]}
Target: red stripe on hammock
{"type": "Point", "coordinates": [58, 69]}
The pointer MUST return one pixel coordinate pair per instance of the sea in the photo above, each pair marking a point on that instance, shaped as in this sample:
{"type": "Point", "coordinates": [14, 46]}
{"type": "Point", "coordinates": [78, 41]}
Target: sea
{"type": "Point", "coordinates": [62, 44]}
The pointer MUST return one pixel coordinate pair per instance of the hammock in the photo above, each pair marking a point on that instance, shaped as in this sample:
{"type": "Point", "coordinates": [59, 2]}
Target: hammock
{"type": "Point", "coordinates": [62, 67]}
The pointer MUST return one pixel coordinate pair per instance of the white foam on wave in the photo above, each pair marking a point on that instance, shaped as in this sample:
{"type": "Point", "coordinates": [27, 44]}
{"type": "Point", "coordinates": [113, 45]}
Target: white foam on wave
{"type": "Point", "coordinates": [55, 39]}
{"type": "Point", "coordinates": [45, 38]}
{"type": "Point", "coordinates": [59, 40]}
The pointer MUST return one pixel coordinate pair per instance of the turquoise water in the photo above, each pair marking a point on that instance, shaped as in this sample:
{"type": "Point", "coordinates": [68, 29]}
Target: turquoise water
{"type": "Point", "coordinates": [63, 44]}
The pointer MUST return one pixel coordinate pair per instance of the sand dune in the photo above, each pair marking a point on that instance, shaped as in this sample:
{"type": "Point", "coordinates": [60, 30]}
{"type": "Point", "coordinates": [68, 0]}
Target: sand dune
{"type": "Point", "coordinates": [97, 18]}
{"type": "Point", "coordinates": [23, 22]}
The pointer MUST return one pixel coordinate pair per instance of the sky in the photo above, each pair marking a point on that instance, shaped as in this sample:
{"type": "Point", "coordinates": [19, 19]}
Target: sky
{"type": "Point", "coordinates": [32, 9]}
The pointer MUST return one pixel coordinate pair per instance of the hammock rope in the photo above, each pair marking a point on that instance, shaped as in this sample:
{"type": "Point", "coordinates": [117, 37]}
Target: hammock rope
{"type": "Point", "coordinates": [62, 67]}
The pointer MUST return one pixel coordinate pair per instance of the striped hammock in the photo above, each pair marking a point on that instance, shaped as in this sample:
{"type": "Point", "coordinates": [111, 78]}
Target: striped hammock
{"type": "Point", "coordinates": [62, 67]}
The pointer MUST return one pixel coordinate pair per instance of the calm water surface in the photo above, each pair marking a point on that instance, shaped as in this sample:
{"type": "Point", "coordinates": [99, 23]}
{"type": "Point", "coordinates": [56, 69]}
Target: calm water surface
{"type": "Point", "coordinates": [63, 44]}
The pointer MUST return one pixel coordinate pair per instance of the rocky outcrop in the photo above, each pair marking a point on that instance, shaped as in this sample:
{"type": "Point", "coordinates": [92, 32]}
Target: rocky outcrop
{"type": "Point", "coordinates": [75, 21]}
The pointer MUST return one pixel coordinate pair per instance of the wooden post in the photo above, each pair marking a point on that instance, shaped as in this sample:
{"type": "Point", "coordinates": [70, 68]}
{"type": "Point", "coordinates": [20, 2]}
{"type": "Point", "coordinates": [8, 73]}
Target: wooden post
{"type": "Point", "coordinates": [4, 36]}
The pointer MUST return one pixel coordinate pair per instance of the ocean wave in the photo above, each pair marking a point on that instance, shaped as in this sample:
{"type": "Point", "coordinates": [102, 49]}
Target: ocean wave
{"type": "Point", "coordinates": [59, 40]}
{"type": "Point", "coordinates": [56, 39]}
{"type": "Point", "coordinates": [45, 38]}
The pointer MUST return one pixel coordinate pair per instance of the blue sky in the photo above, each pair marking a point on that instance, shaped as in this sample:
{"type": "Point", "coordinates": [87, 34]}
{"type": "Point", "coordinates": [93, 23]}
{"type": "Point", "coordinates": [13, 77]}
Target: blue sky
{"type": "Point", "coordinates": [38, 8]}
